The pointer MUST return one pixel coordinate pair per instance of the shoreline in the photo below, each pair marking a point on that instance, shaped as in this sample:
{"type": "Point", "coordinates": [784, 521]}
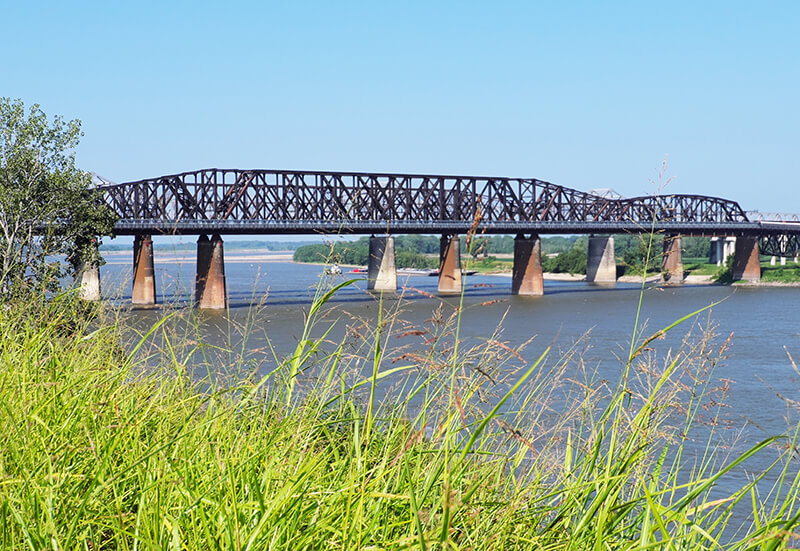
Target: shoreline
{"type": "Point", "coordinates": [241, 256]}
{"type": "Point", "coordinates": [766, 284]}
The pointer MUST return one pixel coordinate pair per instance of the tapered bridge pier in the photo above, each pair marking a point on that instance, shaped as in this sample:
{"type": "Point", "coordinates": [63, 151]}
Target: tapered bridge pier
{"type": "Point", "coordinates": [144, 273]}
{"type": "Point", "coordinates": [527, 278]}
{"type": "Point", "coordinates": [672, 260]}
{"type": "Point", "coordinates": [210, 285]}
{"type": "Point", "coordinates": [381, 267]}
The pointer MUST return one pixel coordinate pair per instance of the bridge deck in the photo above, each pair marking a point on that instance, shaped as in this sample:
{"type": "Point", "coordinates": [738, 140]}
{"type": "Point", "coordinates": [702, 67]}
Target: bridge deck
{"type": "Point", "coordinates": [266, 227]}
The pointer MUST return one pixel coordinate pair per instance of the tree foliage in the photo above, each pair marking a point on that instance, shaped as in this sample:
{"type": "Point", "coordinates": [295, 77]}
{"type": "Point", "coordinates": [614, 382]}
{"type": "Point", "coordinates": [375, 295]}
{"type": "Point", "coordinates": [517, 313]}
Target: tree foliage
{"type": "Point", "coordinates": [357, 252]}
{"type": "Point", "coordinates": [724, 273]}
{"type": "Point", "coordinates": [354, 252]}
{"type": "Point", "coordinates": [572, 262]}
{"type": "Point", "coordinates": [696, 247]}
{"type": "Point", "coordinates": [47, 208]}
{"type": "Point", "coordinates": [560, 254]}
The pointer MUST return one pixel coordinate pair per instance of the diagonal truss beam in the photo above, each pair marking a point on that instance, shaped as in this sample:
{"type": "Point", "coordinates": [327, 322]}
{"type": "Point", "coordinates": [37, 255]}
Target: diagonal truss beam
{"type": "Point", "coordinates": [261, 198]}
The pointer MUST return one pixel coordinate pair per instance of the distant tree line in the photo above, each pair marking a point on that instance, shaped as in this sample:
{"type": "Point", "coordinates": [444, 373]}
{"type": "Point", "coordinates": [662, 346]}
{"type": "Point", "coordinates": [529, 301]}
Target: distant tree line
{"type": "Point", "coordinates": [357, 252]}
{"type": "Point", "coordinates": [560, 254]}
{"type": "Point", "coordinates": [633, 253]}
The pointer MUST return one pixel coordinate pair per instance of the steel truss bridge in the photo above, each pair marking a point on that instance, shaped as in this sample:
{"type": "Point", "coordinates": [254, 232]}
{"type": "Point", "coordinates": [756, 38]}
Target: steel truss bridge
{"type": "Point", "coordinates": [295, 202]}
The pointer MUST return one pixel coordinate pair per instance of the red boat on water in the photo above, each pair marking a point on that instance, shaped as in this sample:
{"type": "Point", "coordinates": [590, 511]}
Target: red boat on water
{"type": "Point", "coordinates": [358, 271]}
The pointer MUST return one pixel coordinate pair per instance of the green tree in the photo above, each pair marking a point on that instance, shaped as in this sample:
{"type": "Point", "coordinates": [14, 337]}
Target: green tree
{"type": "Point", "coordinates": [559, 244]}
{"type": "Point", "coordinates": [412, 259]}
{"type": "Point", "coordinates": [724, 273]}
{"type": "Point", "coordinates": [639, 250]}
{"type": "Point", "coordinates": [47, 208]}
{"type": "Point", "coordinates": [572, 261]}
{"type": "Point", "coordinates": [696, 247]}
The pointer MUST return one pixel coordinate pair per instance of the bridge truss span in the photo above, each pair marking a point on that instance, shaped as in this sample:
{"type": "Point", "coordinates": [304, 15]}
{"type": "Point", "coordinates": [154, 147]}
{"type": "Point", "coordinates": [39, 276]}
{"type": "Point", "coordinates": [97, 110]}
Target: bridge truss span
{"type": "Point", "coordinates": [214, 202]}
{"type": "Point", "coordinates": [277, 201]}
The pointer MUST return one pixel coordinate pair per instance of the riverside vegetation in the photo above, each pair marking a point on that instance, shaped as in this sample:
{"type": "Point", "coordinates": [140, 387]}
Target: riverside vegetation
{"type": "Point", "coordinates": [560, 254]}
{"type": "Point", "coordinates": [113, 442]}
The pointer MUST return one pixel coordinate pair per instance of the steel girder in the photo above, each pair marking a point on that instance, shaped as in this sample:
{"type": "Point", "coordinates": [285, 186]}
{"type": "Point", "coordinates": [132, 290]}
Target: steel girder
{"type": "Point", "coordinates": [352, 199]}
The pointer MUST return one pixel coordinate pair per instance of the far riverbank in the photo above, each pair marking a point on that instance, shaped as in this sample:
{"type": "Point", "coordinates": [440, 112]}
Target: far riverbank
{"type": "Point", "coordinates": [257, 256]}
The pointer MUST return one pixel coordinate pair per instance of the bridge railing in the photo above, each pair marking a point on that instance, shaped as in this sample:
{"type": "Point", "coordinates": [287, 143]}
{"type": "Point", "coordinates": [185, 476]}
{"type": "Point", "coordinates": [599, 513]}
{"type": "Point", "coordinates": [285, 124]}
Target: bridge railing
{"type": "Point", "coordinates": [758, 216]}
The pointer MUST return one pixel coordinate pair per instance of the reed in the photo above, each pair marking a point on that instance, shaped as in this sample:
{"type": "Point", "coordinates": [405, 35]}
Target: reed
{"type": "Point", "coordinates": [113, 443]}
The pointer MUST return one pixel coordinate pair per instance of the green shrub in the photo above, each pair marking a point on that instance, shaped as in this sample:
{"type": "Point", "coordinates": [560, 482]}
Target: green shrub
{"type": "Point", "coordinates": [724, 273]}
{"type": "Point", "coordinates": [783, 274]}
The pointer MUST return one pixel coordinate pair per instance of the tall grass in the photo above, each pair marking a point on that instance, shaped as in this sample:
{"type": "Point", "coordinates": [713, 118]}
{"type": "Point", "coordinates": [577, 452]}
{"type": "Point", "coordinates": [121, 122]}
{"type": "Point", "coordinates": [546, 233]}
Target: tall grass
{"type": "Point", "coordinates": [100, 452]}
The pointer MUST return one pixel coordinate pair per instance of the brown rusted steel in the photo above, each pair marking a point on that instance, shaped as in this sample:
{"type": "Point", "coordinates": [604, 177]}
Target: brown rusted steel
{"type": "Point", "coordinates": [345, 197]}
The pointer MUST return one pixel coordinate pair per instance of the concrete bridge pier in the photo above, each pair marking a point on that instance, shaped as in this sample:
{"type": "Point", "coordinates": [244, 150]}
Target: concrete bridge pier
{"type": "Point", "coordinates": [672, 261]}
{"type": "Point", "coordinates": [204, 250]}
{"type": "Point", "coordinates": [715, 253]}
{"type": "Point", "coordinates": [721, 249]}
{"type": "Point", "coordinates": [210, 287]}
{"type": "Point", "coordinates": [88, 276]}
{"type": "Point", "coordinates": [601, 265]}
{"type": "Point", "coordinates": [728, 248]}
{"type": "Point", "coordinates": [90, 282]}
{"type": "Point", "coordinates": [773, 261]}
{"type": "Point", "coordinates": [144, 276]}
{"type": "Point", "coordinates": [450, 281]}
{"type": "Point", "coordinates": [784, 243]}
{"type": "Point", "coordinates": [381, 267]}
{"type": "Point", "coordinates": [746, 263]}
{"type": "Point", "coordinates": [526, 275]}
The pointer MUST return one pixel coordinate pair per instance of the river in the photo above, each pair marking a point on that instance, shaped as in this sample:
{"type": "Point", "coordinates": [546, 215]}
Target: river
{"type": "Point", "coordinates": [762, 322]}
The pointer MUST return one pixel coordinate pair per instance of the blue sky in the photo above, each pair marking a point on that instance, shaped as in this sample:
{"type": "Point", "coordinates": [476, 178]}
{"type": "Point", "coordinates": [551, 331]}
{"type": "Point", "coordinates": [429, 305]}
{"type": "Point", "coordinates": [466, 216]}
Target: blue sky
{"type": "Point", "coordinates": [583, 94]}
